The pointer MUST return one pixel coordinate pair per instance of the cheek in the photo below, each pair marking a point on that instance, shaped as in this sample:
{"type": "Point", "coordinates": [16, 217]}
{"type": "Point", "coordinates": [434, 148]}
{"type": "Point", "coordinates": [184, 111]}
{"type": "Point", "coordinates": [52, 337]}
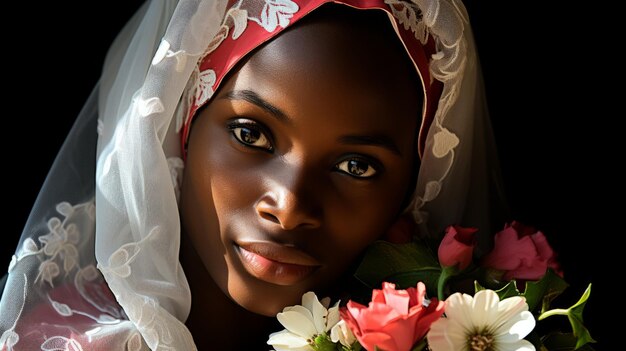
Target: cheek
{"type": "Point", "coordinates": [357, 217]}
{"type": "Point", "coordinates": [208, 197]}
{"type": "Point", "coordinates": [219, 180]}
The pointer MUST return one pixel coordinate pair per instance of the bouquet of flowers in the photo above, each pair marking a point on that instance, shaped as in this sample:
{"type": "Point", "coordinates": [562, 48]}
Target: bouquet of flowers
{"type": "Point", "coordinates": [451, 300]}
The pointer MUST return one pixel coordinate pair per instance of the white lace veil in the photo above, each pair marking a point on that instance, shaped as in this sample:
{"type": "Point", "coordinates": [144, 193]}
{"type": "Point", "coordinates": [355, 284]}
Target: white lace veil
{"type": "Point", "coordinates": [124, 153]}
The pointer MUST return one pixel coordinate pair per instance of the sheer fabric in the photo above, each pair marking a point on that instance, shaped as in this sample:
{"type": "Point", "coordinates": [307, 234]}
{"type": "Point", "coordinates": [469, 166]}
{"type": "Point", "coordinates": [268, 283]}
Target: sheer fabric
{"type": "Point", "coordinates": [107, 215]}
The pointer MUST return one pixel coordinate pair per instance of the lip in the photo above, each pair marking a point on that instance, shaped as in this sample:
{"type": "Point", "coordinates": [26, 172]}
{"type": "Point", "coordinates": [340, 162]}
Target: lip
{"type": "Point", "coordinates": [275, 263]}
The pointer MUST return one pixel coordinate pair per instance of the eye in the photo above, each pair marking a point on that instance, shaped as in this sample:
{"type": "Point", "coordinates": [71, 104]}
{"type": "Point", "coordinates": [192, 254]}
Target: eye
{"type": "Point", "coordinates": [356, 167]}
{"type": "Point", "coordinates": [250, 133]}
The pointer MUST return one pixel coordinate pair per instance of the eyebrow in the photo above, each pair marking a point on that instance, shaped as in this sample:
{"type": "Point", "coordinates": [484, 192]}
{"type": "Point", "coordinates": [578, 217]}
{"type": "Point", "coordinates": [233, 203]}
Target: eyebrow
{"type": "Point", "coordinates": [369, 140]}
{"type": "Point", "coordinates": [372, 140]}
{"type": "Point", "coordinates": [254, 98]}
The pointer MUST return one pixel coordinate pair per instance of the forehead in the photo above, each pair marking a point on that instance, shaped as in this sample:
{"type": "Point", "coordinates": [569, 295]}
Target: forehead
{"type": "Point", "coordinates": [349, 61]}
{"type": "Point", "coordinates": [339, 41]}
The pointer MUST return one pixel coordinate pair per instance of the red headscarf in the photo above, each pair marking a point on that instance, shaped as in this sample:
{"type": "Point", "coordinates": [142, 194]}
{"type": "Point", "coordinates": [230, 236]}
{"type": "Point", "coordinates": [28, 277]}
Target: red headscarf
{"type": "Point", "coordinates": [250, 23]}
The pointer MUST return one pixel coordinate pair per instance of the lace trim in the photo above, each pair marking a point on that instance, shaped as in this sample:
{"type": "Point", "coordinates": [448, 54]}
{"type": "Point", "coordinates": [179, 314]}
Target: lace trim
{"type": "Point", "coordinates": [59, 258]}
{"type": "Point", "coordinates": [444, 21]}
{"type": "Point", "coordinates": [273, 14]}
{"type": "Point", "coordinates": [145, 312]}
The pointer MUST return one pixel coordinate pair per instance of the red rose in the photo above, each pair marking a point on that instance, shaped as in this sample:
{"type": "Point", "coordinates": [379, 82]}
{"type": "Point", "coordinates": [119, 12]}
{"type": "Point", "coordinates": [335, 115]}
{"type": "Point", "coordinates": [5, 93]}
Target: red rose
{"type": "Point", "coordinates": [522, 253]}
{"type": "Point", "coordinates": [457, 247]}
{"type": "Point", "coordinates": [395, 319]}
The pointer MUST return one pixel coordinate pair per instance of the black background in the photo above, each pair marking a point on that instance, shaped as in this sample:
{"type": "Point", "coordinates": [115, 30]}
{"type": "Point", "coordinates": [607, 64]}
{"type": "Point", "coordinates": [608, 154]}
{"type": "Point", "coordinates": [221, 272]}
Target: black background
{"type": "Point", "coordinates": [546, 75]}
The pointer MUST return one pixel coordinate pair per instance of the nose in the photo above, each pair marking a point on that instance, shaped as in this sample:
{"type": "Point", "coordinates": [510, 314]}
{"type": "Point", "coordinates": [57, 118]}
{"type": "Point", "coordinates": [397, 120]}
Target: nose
{"type": "Point", "coordinates": [289, 201]}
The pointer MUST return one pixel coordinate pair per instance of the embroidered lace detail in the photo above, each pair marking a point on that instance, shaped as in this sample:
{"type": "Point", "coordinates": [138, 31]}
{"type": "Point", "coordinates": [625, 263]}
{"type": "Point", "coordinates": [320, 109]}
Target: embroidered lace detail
{"type": "Point", "coordinates": [58, 251]}
{"type": "Point", "coordinates": [134, 342]}
{"type": "Point", "coordinates": [8, 339]}
{"type": "Point", "coordinates": [58, 257]}
{"type": "Point", "coordinates": [144, 311]}
{"type": "Point", "coordinates": [271, 15]}
{"type": "Point", "coordinates": [274, 13]}
{"type": "Point", "coordinates": [57, 343]}
{"type": "Point", "coordinates": [164, 52]}
{"type": "Point", "coordinates": [444, 22]}
{"type": "Point", "coordinates": [410, 16]}
{"type": "Point", "coordinates": [206, 81]}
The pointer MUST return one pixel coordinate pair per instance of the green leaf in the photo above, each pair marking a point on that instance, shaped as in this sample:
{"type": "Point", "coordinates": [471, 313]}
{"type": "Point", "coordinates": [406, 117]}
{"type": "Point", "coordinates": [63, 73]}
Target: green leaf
{"type": "Point", "coordinates": [575, 316]}
{"type": "Point", "coordinates": [403, 264]}
{"type": "Point", "coordinates": [544, 291]}
{"type": "Point", "coordinates": [478, 287]}
{"type": "Point", "coordinates": [508, 290]}
{"type": "Point", "coordinates": [562, 342]}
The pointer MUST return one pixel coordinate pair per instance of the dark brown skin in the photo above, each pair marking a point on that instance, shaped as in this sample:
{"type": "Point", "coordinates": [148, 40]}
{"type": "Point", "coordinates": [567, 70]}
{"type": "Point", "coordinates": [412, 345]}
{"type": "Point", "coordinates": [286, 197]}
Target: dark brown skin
{"type": "Point", "coordinates": [303, 182]}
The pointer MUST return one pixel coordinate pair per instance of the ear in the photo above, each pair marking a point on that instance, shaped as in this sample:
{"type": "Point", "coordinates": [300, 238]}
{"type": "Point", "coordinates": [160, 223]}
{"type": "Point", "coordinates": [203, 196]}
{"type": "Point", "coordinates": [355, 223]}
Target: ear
{"type": "Point", "coordinates": [401, 231]}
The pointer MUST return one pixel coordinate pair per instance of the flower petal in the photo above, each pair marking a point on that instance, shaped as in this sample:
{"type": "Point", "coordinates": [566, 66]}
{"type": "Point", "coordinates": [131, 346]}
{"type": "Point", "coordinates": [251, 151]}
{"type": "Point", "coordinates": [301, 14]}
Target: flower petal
{"type": "Point", "coordinates": [521, 345]}
{"type": "Point", "coordinates": [342, 333]}
{"type": "Point", "coordinates": [459, 307]}
{"type": "Point", "coordinates": [485, 308]}
{"type": "Point", "coordinates": [396, 299]}
{"type": "Point", "coordinates": [437, 335]}
{"type": "Point", "coordinates": [375, 316]}
{"type": "Point", "coordinates": [333, 317]}
{"type": "Point", "coordinates": [297, 323]}
{"type": "Point", "coordinates": [509, 308]}
{"type": "Point", "coordinates": [310, 302]}
{"type": "Point", "coordinates": [373, 341]}
{"type": "Point", "coordinates": [286, 338]}
{"type": "Point", "coordinates": [516, 328]}
{"type": "Point", "coordinates": [509, 250]}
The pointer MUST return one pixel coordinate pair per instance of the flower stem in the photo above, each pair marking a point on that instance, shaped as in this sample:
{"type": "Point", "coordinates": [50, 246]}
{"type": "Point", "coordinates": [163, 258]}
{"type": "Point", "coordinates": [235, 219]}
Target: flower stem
{"type": "Point", "coordinates": [445, 275]}
{"type": "Point", "coordinates": [554, 312]}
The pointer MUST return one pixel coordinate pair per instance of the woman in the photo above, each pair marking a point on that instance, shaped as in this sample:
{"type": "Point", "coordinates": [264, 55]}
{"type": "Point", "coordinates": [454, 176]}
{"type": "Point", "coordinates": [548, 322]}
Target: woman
{"type": "Point", "coordinates": [306, 131]}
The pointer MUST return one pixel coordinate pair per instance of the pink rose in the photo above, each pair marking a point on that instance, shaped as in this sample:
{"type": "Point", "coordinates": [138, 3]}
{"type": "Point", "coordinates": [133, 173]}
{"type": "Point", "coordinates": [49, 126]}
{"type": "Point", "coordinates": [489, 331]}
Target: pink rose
{"type": "Point", "coordinates": [395, 319]}
{"type": "Point", "coordinates": [457, 247]}
{"type": "Point", "coordinates": [522, 253]}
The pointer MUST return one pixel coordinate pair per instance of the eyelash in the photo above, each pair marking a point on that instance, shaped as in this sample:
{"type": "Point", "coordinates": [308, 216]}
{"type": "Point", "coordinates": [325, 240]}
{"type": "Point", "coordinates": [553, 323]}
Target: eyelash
{"type": "Point", "coordinates": [238, 125]}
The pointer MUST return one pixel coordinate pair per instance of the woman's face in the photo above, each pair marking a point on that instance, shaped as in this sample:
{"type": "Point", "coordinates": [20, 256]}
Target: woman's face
{"type": "Point", "coordinates": [302, 159]}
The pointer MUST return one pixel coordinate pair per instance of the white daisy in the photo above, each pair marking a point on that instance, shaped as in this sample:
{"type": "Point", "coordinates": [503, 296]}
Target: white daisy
{"type": "Point", "coordinates": [482, 323]}
{"type": "Point", "coordinates": [304, 323]}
